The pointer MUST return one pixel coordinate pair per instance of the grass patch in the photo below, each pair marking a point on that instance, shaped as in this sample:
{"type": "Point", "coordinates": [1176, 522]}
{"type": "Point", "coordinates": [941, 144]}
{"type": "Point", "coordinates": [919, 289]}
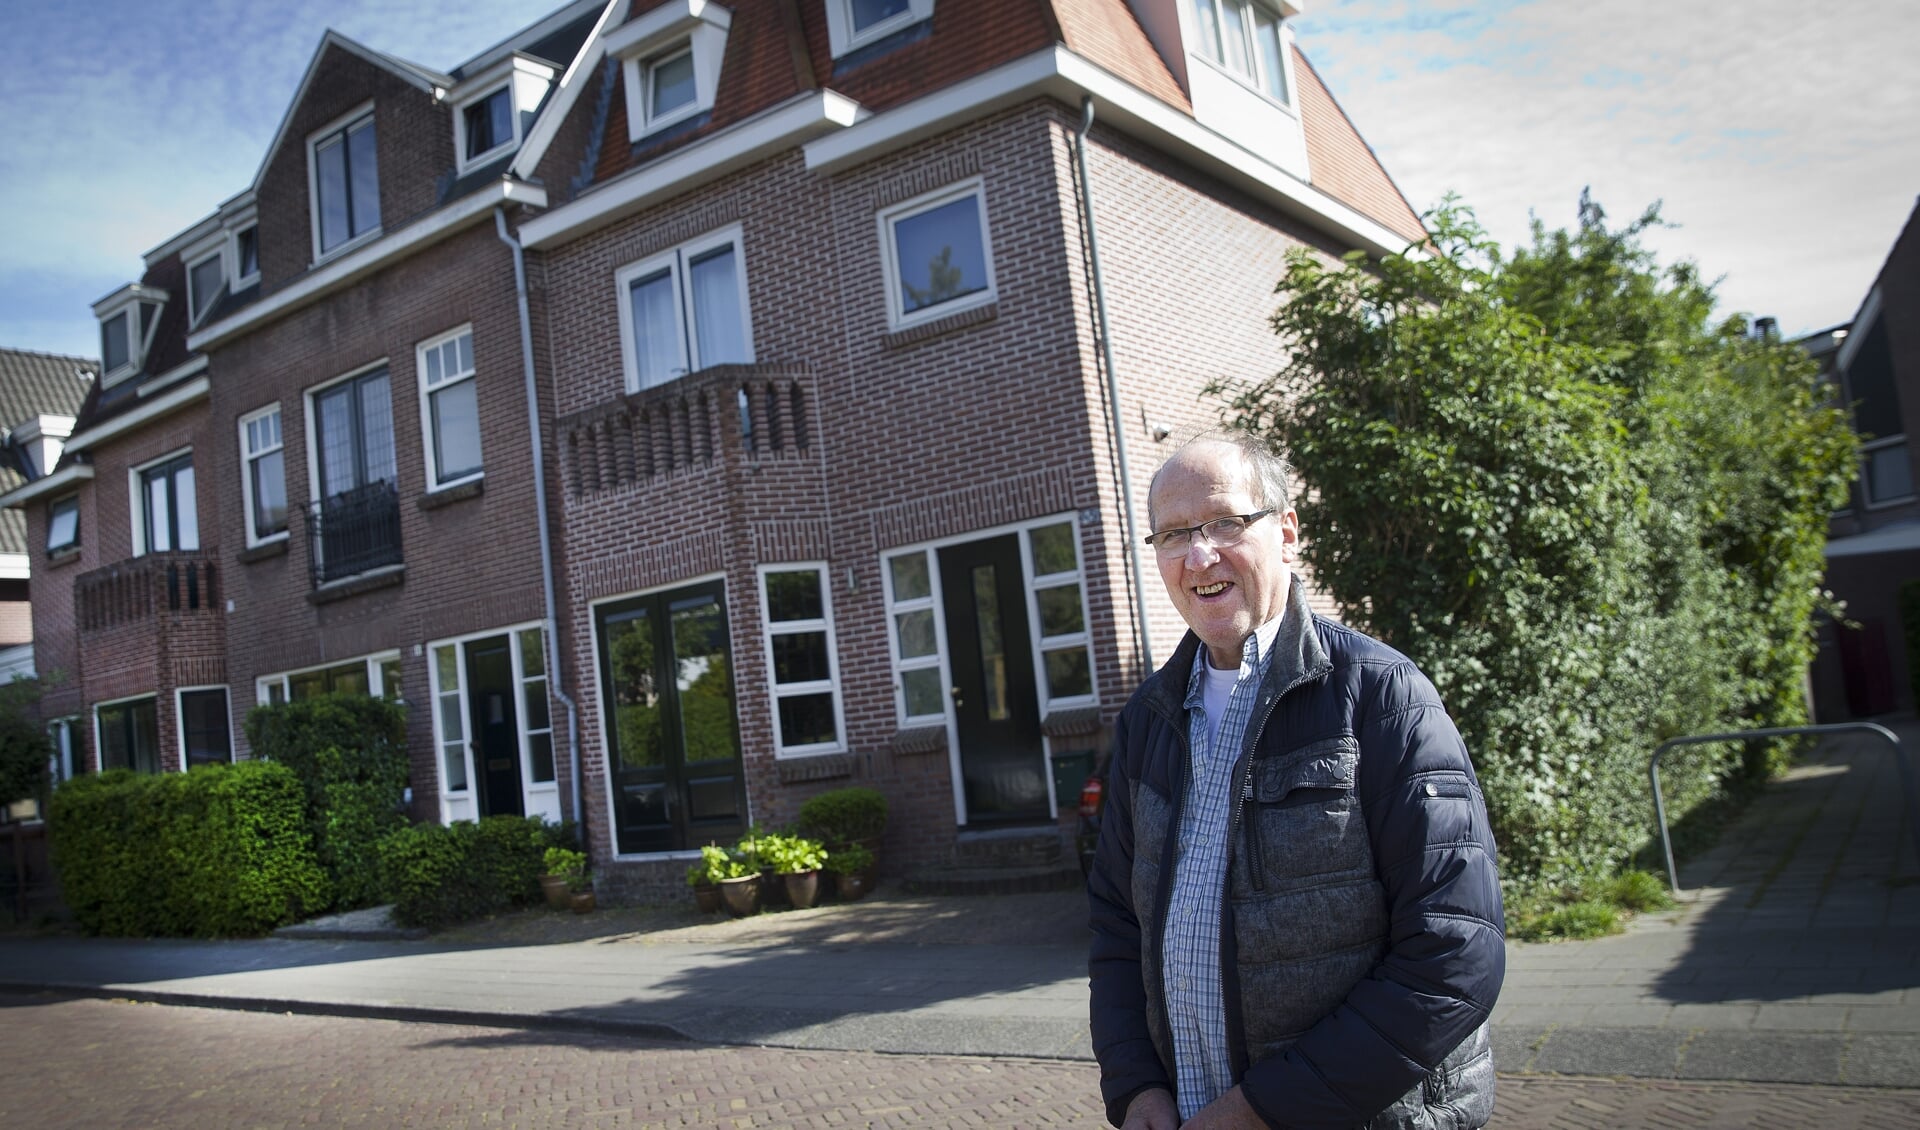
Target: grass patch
{"type": "Point", "coordinates": [1584, 919]}
{"type": "Point", "coordinates": [1588, 908]}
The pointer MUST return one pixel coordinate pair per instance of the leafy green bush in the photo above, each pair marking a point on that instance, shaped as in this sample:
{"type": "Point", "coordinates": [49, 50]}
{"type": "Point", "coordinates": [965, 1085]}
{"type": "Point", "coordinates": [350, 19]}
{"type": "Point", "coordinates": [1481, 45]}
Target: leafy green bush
{"type": "Point", "coordinates": [792, 855]}
{"type": "Point", "coordinates": [25, 751]}
{"type": "Point", "coordinates": [1584, 919]}
{"type": "Point", "coordinates": [350, 754]}
{"type": "Point", "coordinates": [221, 851]}
{"type": "Point", "coordinates": [850, 860]}
{"type": "Point", "coordinates": [440, 875]}
{"type": "Point", "coordinates": [1639, 890]}
{"type": "Point", "coordinates": [718, 863]}
{"type": "Point", "coordinates": [840, 816]}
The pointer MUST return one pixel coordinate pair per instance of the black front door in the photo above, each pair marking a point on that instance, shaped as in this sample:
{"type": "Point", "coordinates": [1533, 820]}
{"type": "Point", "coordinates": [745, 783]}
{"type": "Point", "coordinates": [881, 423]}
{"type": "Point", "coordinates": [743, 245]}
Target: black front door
{"type": "Point", "coordinates": [996, 706]}
{"type": "Point", "coordinates": [673, 745]}
{"type": "Point", "coordinates": [496, 736]}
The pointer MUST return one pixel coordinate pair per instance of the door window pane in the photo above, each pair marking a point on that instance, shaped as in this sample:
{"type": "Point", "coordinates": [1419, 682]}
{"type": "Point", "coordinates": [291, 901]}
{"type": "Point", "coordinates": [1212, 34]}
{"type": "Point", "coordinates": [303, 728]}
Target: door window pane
{"type": "Point", "coordinates": [636, 700]}
{"type": "Point", "coordinates": [910, 581]}
{"type": "Point", "coordinates": [1060, 613]}
{"type": "Point", "coordinates": [703, 681]}
{"type": "Point", "coordinates": [1068, 673]}
{"type": "Point", "coordinates": [916, 633]}
{"type": "Point", "coordinates": [923, 694]}
{"type": "Point", "coordinates": [1053, 549]}
{"type": "Point", "coordinates": [453, 733]}
{"type": "Point", "coordinates": [993, 652]}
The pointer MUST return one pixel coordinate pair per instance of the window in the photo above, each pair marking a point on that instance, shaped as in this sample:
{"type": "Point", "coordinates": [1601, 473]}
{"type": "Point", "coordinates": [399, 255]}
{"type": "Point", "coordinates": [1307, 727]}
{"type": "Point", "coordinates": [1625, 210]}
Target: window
{"type": "Point", "coordinates": [129, 735]}
{"type": "Point", "coordinates": [685, 310]}
{"type": "Point", "coordinates": [116, 341]}
{"type": "Point", "coordinates": [536, 718]}
{"type": "Point", "coordinates": [670, 58]}
{"type": "Point", "coordinates": [205, 736]}
{"type": "Point", "coordinates": [489, 123]}
{"type": "Point", "coordinates": [852, 24]}
{"type": "Point", "coordinates": [357, 513]}
{"type": "Point", "coordinates": [204, 281]}
{"type": "Point", "coordinates": [938, 257]}
{"type": "Point", "coordinates": [671, 92]}
{"type": "Point", "coordinates": [1887, 471]}
{"type": "Point", "coordinates": [168, 513]}
{"type": "Point", "coordinates": [264, 477]}
{"type": "Point", "coordinates": [246, 255]}
{"type": "Point", "coordinates": [346, 185]}
{"type": "Point", "coordinates": [128, 318]}
{"type": "Point", "coordinates": [1059, 612]}
{"type": "Point", "coordinates": [69, 759]}
{"type": "Point", "coordinates": [452, 738]}
{"type": "Point", "coordinates": [802, 664]}
{"type": "Point", "coordinates": [63, 523]}
{"type": "Point", "coordinates": [374, 675]}
{"type": "Point", "coordinates": [917, 645]}
{"type": "Point", "coordinates": [450, 408]}
{"type": "Point", "coordinates": [1244, 37]}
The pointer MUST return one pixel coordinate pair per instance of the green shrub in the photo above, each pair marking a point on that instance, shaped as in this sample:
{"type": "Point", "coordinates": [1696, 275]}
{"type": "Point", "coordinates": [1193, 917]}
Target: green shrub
{"type": "Point", "coordinates": [717, 863]}
{"type": "Point", "coordinates": [440, 875]}
{"type": "Point", "coordinates": [25, 752]}
{"type": "Point", "coordinates": [840, 816]}
{"type": "Point", "coordinates": [1638, 891]}
{"type": "Point", "coordinates": [851, 860]}
{"type": "Point", "coordinates": [222, 851]}
{"type": "Point", "coordinates": [1585, 919]}
{"type": "Point", "coordinates": [350, 753]}
{"type": "Point", "coordinates": [792, 855]}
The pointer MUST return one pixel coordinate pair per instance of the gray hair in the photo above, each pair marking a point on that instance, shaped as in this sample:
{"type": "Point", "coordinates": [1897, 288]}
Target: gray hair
{"type": "Point", "coordinates": [1267, 473]}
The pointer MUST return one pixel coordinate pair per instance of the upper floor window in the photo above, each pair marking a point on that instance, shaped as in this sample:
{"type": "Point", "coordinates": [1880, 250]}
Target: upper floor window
{"type": "Point", "coordinates": [450, 408]}
{"type": "Point", "coordinates": [128, 318]}
{"type": "Point", "coordinates": [685, 309]}
{"type": "Point", "coordinates": [168, 515]}
{"type": "Point", "coordinates": [938, 257]}
{"type": "Point", "coordinates": [263, 479]}
{"type": "Point", "coordinates": [246, 255]}
{"type": "Point", "coordinates": [205, 278]}
{"type": "Point", "coordinates": [346, 184]}
{"type": "Point", "coordinates": [1244, 37]}
{"type": "Point", "coordinates": [63, 523]}
{"type": "Point", "coordinates": [852, 24]}
{"type": "Point", "coordinates": [489, 123]}
{"type": "Point", "coordinates": [670, 62]}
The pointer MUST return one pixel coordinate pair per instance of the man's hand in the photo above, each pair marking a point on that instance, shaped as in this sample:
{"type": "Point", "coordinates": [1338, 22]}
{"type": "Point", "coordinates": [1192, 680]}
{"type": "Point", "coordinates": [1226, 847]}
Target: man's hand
{"type": "Point", "coordinates": [1230, 1111]}
{"type": "Point", "coordinates": [1152, 1109]}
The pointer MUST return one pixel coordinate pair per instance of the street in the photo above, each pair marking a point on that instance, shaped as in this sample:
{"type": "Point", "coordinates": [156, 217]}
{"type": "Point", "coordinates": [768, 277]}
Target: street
{"type": "Point", "coordinates": [106, 1064]}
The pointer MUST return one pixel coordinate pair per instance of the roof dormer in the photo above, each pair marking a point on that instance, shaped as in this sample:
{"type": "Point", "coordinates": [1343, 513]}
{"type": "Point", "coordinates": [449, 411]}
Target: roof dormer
{"type": "Point", "coordinates": [853, 24]}
{"type": "Point", "coordinates": [128, 319]}
{"type": "Point", "coordinates": [493, 108]}
{"type": "Point", "coordinates": [670, 60]}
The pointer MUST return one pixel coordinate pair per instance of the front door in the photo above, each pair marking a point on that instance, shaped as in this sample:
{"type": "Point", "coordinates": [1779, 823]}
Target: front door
{"type": "Point", "coordinates": [996, 707]}
{"type": "Point", "coordinates": [673, 745]}
{"type": "Point", "coordinates": [496, 735]}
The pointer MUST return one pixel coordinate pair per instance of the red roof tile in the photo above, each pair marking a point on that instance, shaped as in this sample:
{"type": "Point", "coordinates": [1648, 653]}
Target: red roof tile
{"type": "Point", "coordinates": [1343, 164]}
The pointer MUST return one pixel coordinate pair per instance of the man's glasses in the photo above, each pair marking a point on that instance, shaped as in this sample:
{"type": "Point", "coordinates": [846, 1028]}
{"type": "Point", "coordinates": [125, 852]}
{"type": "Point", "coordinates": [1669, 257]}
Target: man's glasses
{"type": "Point", "coordinates": [1217, 532]}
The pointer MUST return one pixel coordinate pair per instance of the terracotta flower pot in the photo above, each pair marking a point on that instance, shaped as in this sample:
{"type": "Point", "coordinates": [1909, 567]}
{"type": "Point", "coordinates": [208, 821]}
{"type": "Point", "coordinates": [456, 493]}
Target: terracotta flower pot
{"type": "Point", "coordinates": [853, 885]}
{"type": "Point", "coordinates": [583, 902]}
{"type": "Point", "coordinates": [742, 896]}
{"type": "Point", "coordinates": [803, 888]}
{"type": "Point", "coordinates": [555, 888]}
{"type": "Point", "coordinates": [706, 897]}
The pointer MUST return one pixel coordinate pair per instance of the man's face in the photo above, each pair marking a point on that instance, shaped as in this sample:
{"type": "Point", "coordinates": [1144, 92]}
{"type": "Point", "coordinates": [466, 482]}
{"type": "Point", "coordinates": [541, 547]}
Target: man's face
{"type": "Point", "coordinates": [1223, 593]}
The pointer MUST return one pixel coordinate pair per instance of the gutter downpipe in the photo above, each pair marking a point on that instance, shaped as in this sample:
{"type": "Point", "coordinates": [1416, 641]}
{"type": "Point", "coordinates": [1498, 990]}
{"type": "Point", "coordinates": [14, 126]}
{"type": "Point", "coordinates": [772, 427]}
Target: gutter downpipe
{"type": "Point", "coordinates": [1113, 388]}
{"type": "Point", "coordinates": [555, 679]}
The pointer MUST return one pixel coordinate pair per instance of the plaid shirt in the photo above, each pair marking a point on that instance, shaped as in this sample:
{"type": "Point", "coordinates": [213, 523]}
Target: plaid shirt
{"type": "Point", "coordinates": [1191, 979]}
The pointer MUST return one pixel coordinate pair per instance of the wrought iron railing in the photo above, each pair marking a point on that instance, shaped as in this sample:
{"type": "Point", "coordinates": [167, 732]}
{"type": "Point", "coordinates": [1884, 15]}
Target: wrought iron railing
{"type": "Point", "coordinates": [353, 532]}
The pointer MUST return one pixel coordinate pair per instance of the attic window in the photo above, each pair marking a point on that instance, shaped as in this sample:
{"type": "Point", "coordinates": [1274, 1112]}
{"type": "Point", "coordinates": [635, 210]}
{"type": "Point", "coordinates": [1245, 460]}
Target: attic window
{"type": "Point", "coordinates": [489, 123]}
{"type": "Point", "coordinates": [116, 341]}
{"type": "Point", "coordinates": [205, 277]}
{"type": "Point", "coordinates": [853, 24]}
{"type": "Point", "coordinates": [128, 318]}
{"type": "Point", "coordinates": [491, 109]}
{"type": "Point", "coordinates": [346, 184]}
{"type": "Point", "coordinates": [1244, 37]}
{"type": "Point", "coordinates": [670, 63]}
{"type": "Point", "coordinates": [246, 254]}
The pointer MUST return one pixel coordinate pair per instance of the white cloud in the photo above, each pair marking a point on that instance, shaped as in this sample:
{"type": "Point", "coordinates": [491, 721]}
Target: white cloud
{"type": "Point", "coordinates": [1784, 140]}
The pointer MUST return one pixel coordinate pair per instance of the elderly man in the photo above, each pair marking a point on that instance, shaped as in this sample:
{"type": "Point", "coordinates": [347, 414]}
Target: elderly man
{"type": "Point", "coordinates": [1296, 918]}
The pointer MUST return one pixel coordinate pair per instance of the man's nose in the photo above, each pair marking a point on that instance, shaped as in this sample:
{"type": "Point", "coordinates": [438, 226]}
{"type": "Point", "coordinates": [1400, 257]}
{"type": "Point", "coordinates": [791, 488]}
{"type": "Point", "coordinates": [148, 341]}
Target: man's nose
{"type": "Point", "coordinates": [1201, 553]}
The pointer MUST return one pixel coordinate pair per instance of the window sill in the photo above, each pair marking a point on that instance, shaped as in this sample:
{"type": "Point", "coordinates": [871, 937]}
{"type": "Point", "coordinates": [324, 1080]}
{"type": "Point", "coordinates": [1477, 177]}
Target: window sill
{"type": "Point", "coordinates": [914, 335]}
{"type": "Point", "coordinates": [1071, 722]}
{"type": "Point", "coordinates": [919, 739]}
{"type": "Point", "coordinates": [59, 557]}
{"type": "Point", "coordinates": [262, 552]}
{"type": "Point", "coordinates": [347, 248]}
{"type": "Point", "coordinates": [385, 578]}
{"type": "Point", "coordinates": [815, 767]}
{"type": "Point", "coordinates": [434, 500]}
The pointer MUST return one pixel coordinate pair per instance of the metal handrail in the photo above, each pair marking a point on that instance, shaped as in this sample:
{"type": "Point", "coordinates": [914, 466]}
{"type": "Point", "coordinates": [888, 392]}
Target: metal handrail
{"type": "Point", "coordinates": [1899, 754]}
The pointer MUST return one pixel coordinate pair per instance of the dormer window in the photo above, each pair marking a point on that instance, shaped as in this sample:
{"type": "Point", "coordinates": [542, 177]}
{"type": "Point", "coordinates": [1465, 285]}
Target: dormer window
{"type": "Point", "coordinates": [345, 174]}
{"type": "Point", "coordinates": [670, 63]}
{"type": "Point", "coordinates": [205, 279]}
{"type": "Point", "coordinates": [853, 24]}
{"type": "Point", "coordinates": [246, 255]}
{"type": "Point", "coordinates": [1244, 37]}
{"type": "Point", "coordinates": [492, 107]}
{"type": "Point", "coordinates": [128, 318]}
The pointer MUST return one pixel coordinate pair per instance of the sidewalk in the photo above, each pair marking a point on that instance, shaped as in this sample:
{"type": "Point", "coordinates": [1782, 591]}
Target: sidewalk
{"type": "Point", "coordinates": [1794, 958]}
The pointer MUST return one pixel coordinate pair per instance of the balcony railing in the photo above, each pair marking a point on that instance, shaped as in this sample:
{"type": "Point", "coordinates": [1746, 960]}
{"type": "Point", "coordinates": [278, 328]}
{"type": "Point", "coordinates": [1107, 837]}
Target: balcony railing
{"type": "Point", "coordinates": [353, 532]}
{"type": "Point", "coordinates": [141, 588]}
{"type": "Point", "coordinates": [750, 412]}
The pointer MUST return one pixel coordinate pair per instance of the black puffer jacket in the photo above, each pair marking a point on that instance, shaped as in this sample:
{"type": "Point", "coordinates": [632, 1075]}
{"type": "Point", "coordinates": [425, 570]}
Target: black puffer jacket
{"type": "Point", "coordinates": [1362, 945]}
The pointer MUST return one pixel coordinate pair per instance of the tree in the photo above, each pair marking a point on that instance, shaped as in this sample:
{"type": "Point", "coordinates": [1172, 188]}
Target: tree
{"type": "Point", "coordinates": [26, 755]}
{"type": "Point", "coordinates": [1594, 516]}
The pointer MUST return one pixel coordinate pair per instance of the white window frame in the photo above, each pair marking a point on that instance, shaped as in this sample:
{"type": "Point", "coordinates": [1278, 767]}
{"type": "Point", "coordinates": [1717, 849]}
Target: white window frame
{"type": "Point", "coordinates": [69, 759]}
{"type": "Point", "coordinates": [376, 677]}
{"type": "Point", "coordinates": [843, 38]}
{"type": "Point", "coordinates": [536, 797]}
{"type": "Point", "coordinates": [1255, 80]}
{"type": "Point", "coordinates": [137, 492]}
{"type": "Point", "coordinates": [526, 81]}
{"type": "Point", "coordinates": [830, 685]}
{"type": "Point", "coordinates": [72, 542]}
{"type": "Point", "coordinates": [129, 302]}
{"type": "Point", "coordinates": [247, 456]}
{"type": "Point", "coordinates": [1082, 639]}
{"type": "Point", "coordinates": [1866, 479]}
{"type": "Point", "coordinates": [903, 664]}
{"type": "Point", "coordinates": [180, 720]}
{"type": "Point", "coordinates": [898, 318]}
{"type": "Point", "coordinates": [675, 261]}
{"type": "Point", "coordinates": [461, 129]}
{"type": "Point", "coordinates": [100, 748]}
{"type": "Point", "coordinates": [196, 314]}
{"type": "Point", "coordinates": [656, 35]}
{"type": "Point", "coordinates": [242, 281]}
{"type": "Point", "coordinates": [429, 449]}
{"type": "Point", "coordinates": [343, 125]}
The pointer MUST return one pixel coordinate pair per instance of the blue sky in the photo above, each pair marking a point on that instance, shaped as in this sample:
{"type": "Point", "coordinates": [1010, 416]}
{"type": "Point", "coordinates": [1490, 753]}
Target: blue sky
{"type": "Point", "coordinates": [1783, 138]}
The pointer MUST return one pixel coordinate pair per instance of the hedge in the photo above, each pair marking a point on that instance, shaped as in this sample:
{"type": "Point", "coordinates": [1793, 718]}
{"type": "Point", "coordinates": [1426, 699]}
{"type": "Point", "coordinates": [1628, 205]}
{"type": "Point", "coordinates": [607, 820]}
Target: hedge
{"type": "Point", "coordinates": [439, 875]}
{"type": "Point", "coordinates": [350, 753]}
{"type": "Point", "coordinates": [221, 851]}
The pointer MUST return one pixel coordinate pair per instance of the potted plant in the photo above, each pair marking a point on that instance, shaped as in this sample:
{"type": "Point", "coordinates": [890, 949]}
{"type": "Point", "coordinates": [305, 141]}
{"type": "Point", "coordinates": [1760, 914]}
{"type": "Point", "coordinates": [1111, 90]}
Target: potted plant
{"type": "Point", "coordinates": [852, 871]}
{"type": "Point", "coordinates": [840, 817]}
{"type": "Point", "coordinates": [706, 891]}
{"type": "Point", "coordinates": [797, 860]}
{"type": "Point", "coordinates": [563, 866]}
{"type": "Point", "coordinates": [737, 877]}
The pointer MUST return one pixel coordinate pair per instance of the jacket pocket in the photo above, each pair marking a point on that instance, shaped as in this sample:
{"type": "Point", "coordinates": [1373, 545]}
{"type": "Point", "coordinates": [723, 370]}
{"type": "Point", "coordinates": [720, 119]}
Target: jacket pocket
{"type": "Point", "coordinates": [1303, 817]}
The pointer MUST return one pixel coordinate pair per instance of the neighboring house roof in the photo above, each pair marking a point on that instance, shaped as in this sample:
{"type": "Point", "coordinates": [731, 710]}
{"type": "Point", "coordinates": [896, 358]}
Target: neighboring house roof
{"type": "Point", "coordinates": [34, 384]}
{"type": "Point", "coordinates": [1344, 165]}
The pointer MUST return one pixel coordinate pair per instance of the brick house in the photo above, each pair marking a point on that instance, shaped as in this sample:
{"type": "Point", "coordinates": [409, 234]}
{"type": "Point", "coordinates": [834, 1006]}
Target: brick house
{"type": "Point", "coordinates": [846, 399]}
{"type": "Point", "coordinates": [1873, 545]}
{"type": "Point", "coordinates": [39, 394]}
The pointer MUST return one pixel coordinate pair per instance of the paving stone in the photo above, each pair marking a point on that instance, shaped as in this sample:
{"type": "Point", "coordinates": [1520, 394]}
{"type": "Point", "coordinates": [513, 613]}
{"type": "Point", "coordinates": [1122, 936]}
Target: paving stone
{"type": "Point", "coordinates": [1785, 1057]}
{"type": "Point", "coordinates": [1616, 1051]}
